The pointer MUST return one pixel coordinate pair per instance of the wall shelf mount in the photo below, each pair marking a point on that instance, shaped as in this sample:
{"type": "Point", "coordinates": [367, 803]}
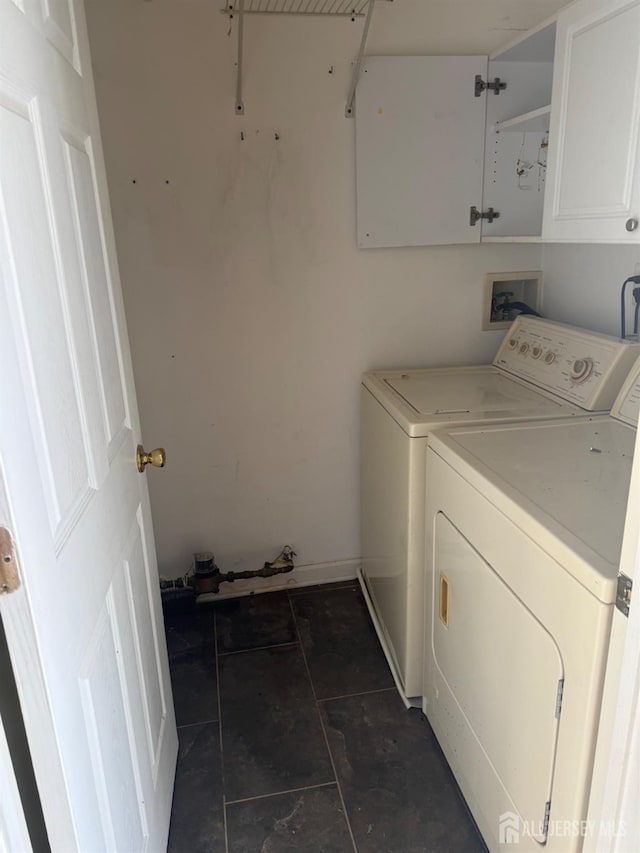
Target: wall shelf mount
{"type": "Point", "coordinates": [350, 9]}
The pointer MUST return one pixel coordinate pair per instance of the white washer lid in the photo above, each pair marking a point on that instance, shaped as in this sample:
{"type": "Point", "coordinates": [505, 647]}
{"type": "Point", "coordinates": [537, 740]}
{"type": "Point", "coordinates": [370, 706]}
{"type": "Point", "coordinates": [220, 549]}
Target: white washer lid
{"type": "Point", "coordinates": [565, 483]}
{"type": "Point", "coordinates": [421, 400]}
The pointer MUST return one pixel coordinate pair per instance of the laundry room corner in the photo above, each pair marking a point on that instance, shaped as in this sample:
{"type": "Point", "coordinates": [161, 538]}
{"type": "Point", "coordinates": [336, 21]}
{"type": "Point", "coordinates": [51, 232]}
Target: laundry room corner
{"type": "Point", "coordinates": [583, 282]}
{"type": "Point", "coordinates": [251, 312]}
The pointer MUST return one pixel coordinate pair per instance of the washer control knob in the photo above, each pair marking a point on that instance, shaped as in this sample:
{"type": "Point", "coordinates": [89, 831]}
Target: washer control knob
{"type": "Point", "coordinates": [550, 357]}
{"type": "Point", "coordinates": [581, 369]}
{"type": "Point", "coordinates": [524, 349]}
{"type": "Point", "coordinates": [536, 352]}
{"type": "Point", "coordinates": [631, 224]}
{"type": "Point", "coordinates": [513, 343]}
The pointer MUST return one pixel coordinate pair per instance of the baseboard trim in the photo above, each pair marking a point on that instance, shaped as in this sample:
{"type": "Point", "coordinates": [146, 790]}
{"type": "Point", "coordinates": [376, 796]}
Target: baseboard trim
{"type": "Point", "coordinates": [301, 576]}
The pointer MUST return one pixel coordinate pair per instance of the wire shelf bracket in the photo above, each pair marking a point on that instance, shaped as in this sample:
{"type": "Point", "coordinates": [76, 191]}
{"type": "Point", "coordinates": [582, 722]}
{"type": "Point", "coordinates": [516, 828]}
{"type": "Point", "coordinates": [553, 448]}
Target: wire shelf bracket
{"type": "Point", "coordinates": [351, 9]}
{"type": "Point", "coordinates": [239, 102]}
{"type": "Point", "coordinates": [349, 111]}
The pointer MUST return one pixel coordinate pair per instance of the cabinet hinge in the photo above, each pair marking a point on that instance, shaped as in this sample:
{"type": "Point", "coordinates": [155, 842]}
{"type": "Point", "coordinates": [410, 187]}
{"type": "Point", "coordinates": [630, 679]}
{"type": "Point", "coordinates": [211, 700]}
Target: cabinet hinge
{"type": "Point", "coordinates": [559, 697]}
{"type": "Point", "coordinates": [623, 595]}
{"type": "Point", "coordinates": [496, 85]}
{"type": "Point", "coordinates": [547, 815]}
{"type": "Point", "coordinates": [9, 577]}
{"type": "Point", "coordinates": [475, 215]}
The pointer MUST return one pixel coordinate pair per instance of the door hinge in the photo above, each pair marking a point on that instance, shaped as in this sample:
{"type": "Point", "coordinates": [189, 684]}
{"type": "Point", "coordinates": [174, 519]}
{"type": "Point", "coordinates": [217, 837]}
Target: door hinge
{"type": "Point", "coordinates": [559, 697]}
{"type": "Point", "coordinates": [9, 577]}
{"type": "Point", "coordinates": [496, 85]}
{"type": "Point", "coordinates": [623, 595]}
{"type": "Point", "coordinates": [547, 815]}
{"type": "Point", "coordinates": [475, 215]}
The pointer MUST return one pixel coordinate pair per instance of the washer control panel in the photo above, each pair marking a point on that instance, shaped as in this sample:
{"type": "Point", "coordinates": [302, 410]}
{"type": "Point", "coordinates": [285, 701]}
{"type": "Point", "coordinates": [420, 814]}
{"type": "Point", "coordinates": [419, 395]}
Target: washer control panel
{"type": "Point", "coordinates": [627, 406]}
{"type": "Point", "coordinates": [581, 366]}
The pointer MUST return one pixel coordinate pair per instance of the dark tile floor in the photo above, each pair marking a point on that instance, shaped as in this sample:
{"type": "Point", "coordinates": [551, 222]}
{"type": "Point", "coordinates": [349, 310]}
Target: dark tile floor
{"type": "Point", "coordinates": [293, 738]}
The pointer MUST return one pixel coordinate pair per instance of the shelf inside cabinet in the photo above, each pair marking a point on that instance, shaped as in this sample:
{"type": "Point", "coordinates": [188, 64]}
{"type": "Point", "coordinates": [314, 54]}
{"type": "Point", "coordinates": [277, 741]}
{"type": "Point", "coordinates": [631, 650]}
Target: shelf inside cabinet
{"type": "Point", "coordinates": [531, 238]}
{"type": "Point", "coordinates": [535, 120]}
{"type": "Point", "coordinates": [536, 45]}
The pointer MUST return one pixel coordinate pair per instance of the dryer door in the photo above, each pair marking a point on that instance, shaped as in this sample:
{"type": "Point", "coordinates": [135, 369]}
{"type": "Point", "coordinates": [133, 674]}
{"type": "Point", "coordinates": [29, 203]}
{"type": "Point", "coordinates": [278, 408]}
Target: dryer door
{"type": "Point", "coordinates": [498, 677]}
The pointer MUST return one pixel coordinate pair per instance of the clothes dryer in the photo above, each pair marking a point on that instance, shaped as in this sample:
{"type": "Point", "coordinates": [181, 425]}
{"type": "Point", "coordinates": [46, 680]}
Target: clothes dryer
{"type": "Point", "coordinates": [524, 525]}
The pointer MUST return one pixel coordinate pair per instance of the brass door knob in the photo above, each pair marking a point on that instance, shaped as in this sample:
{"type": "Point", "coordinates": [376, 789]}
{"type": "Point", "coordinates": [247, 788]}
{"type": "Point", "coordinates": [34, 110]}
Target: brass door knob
{"type": "Point", "coordinates": [157, 458]}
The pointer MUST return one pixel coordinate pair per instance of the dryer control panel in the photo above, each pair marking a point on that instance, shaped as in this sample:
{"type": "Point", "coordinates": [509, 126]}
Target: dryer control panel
{"type": "Point", "coordinates": [583, 367]}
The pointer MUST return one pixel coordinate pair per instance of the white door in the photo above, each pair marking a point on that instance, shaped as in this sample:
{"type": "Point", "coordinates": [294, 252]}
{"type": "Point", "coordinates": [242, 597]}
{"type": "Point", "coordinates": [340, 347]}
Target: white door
{"type": "Point", "coordinates": [84, 629]}
{"type": "Point", "coordinates": [615, 790]}
{"type": "Point", "coordinates": [419, 150]}
{"type": "Point", "coordinates": [593, 180]}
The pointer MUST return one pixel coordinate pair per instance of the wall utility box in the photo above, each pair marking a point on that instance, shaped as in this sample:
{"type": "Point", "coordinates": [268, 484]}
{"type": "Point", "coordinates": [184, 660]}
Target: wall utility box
{"type": "Point", "coordinates": [501, 289]}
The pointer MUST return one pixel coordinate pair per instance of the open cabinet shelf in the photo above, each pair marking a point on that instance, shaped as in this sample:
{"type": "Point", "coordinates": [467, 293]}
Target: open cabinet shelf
{"type": "Point", "coordinates": [531, 238]}
{"type": "Point", "coordinates": [536, 45]}
{"type": "Point", "coordinates": [535, 120]}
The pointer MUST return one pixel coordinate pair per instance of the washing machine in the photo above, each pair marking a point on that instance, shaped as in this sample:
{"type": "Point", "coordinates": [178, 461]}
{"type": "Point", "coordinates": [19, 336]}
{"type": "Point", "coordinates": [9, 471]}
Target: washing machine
{"type": "Point", "coordinates": [542, 370]}
{"type": "Point", "coordinates": [523, 532]}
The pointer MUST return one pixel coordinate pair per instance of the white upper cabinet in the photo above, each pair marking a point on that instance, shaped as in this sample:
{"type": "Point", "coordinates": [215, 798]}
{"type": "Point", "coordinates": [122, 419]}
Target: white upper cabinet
{"type": "Point", "coordinates": [445, 154]}
{"type": "Point", "coordinates": [593, 181]}
{"type": "Point", "coordinates": [551, 154]}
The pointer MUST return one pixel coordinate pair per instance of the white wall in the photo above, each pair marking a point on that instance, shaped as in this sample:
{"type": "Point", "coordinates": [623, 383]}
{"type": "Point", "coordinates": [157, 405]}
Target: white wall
{"type": "Point", "coordinates": [251, 313]}
{"type": "Point", "coordinates": [582, 284]}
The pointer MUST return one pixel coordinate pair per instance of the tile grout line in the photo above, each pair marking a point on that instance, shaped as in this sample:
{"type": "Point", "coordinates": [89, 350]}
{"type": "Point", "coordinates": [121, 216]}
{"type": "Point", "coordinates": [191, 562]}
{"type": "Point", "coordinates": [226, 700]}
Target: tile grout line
{"type": "Point", "coordinates": [363, 693]}
{"type": "Point", "coordinates": [280, 793]}
{"type": "Point", "coordinates": [324, 731]}
{"type": "Point", "coordinates": [197, 723]}
{"type": "Point", "coordinates": [257, 649]}
{"type": "Point", "coordinates": [304, 591]}
{"type": "Point", "coordinates": [224, 796]}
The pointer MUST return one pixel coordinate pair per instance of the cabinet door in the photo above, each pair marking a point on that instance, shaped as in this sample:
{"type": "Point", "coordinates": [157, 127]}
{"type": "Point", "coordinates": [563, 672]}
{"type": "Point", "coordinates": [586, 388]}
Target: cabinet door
{"type": "Point", "coordinates": [593, 181]}
{"type": "Point", "coordinates": [419, 149]}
